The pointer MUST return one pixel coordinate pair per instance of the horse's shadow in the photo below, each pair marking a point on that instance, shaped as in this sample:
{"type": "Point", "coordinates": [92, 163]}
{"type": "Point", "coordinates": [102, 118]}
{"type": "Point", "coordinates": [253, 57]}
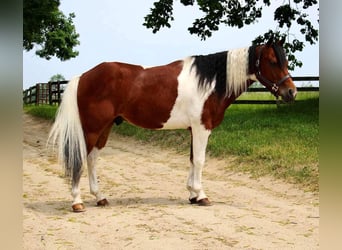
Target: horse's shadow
{"type": "Point", "coordinates": [56, 208]}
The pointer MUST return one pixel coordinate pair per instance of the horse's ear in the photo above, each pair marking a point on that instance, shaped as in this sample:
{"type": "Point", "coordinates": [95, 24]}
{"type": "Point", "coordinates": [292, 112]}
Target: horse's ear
{"type": "Point", "coordinates": [282, 41]}
{"type": "Point", "coordinates": [270, 41]}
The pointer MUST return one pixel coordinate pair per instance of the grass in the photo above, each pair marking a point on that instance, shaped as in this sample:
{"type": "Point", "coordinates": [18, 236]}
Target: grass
{"type": "Point", "coordinates": [43, 111]}
{"type": "Point", "coordinates": [269, 140]}
{"type": "Point", "coordinates": [262, 139]}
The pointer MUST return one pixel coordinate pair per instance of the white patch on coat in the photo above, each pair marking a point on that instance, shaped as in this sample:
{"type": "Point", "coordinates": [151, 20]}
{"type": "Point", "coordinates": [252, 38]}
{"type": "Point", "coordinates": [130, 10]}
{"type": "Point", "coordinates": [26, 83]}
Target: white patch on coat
{"type": "Point", "coordinates": [190, 100]}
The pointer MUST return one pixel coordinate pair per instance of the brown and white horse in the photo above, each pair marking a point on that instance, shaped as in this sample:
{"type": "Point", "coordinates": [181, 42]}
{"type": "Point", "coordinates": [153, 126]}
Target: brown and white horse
{"type": "Point", "coordinates": [192, 94]}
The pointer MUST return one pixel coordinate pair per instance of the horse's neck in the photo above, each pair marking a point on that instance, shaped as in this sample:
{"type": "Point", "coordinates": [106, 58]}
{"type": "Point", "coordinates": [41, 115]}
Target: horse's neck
{"type": "Point", "coordinates": [230, 99]}
{"type": "Point", "coordinates": [234, 96]}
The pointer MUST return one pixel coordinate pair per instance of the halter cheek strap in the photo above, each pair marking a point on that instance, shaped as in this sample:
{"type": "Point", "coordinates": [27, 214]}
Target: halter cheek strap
{"type": "Point", "coordinates": [274, 86]}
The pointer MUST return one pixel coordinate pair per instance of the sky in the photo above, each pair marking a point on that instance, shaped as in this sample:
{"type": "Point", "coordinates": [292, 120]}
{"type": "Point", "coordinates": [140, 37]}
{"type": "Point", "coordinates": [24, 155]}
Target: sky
{"type": "Point", "coordinates": [113, 31]}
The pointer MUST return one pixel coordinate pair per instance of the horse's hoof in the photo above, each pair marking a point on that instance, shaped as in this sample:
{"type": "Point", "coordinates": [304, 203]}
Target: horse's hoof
{"type": "Point", "coordinates": [102, 203]}
{"type": "Point", "coordinates": [77, 208]}
{"type": "Point", "coordinates": [204, 202]}
{"type": "Point", "coordinates": [193, 200]}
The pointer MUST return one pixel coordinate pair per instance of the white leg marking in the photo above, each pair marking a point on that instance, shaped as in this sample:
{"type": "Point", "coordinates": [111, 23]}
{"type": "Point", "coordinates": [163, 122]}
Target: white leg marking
{"type": "Point", "coordinates": [200, 139]}
{"type": "Point", "coordinates": [76, 194]}
{"type": "Point", "coordinates": [94, 189]}
{"type": "Point", "coordinates": [190, 181]}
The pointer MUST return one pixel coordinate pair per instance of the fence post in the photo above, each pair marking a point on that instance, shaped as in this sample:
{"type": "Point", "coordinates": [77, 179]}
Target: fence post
{"type": "Point", "coordinates": [59, 92]}
{"type": "Point", "coordinates": [29, 96]}
{"type": "Point", "coordinates": [50, 96]}
{"type": "Point", "coordinates": [37, 93]}
{"type": "Point", "coordinates": [24, 96]}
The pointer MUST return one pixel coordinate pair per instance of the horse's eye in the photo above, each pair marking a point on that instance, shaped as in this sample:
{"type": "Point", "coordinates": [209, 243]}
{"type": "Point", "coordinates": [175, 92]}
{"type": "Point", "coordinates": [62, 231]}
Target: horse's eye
{"type": "Point", "coordinates": [273, 63]}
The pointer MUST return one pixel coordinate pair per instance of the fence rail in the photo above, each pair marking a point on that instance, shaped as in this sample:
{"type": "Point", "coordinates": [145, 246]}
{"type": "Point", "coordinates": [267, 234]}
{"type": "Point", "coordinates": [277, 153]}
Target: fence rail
{"type": "Point", "coordinates": [51, 93]}
{"type": "Point", "coordinates": [45, 93]}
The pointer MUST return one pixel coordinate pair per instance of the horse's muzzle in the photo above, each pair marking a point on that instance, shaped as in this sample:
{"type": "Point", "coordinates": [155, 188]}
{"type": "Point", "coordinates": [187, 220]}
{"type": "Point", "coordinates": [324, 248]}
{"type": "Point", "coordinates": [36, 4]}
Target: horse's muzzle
{"type": "Point", "coordinates": [288, 95]}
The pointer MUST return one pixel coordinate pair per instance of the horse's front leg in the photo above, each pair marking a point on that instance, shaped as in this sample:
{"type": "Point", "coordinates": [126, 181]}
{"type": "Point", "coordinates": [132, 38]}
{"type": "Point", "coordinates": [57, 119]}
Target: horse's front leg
{"type": "Point", "coordinates": [94, 189]}
{"type": "Point", "coordinates": [199, 140]}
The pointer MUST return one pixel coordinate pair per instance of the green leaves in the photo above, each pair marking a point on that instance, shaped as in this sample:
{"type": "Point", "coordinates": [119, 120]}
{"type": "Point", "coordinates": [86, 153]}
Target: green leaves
{"type": "Point", "coordinates": [161, 15]}
{"type": "Point", "coordinates": [235, 13]}
{"type": "Point", "coordinates": [49, 29]}
{"type": "Point", "coordinates": [311, 34]}
{"type": "Point", "coordinates": [56, 78]}
{"type": "Point", "coordinates": [285, 15]}
{"type": "Point", "coordinates": [290, 46]}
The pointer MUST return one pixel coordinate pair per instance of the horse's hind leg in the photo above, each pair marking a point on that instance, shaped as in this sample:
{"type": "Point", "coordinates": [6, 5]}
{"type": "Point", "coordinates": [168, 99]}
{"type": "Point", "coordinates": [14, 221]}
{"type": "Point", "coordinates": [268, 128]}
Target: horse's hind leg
{"type": "Point", "coordinates": [92, 157]}
{"type": "Point", "coordinates": [77, 204]}
{"type": "Point", "coordinates": [94, 189]}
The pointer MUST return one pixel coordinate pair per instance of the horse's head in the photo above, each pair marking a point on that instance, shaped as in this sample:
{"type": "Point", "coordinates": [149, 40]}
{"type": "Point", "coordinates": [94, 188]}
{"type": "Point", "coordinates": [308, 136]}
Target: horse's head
{"type": "Point", "coordinates": [271, 70]}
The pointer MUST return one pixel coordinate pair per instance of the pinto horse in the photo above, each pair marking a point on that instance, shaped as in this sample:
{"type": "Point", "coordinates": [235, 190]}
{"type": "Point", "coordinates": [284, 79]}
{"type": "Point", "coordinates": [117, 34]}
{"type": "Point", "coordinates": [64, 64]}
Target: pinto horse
{"type": "Point", "coordinates": [192, 94]}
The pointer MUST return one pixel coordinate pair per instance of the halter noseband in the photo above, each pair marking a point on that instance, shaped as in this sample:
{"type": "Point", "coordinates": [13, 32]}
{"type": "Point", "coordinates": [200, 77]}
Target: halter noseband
{"type": "Point", "coordinates": [274, 86]}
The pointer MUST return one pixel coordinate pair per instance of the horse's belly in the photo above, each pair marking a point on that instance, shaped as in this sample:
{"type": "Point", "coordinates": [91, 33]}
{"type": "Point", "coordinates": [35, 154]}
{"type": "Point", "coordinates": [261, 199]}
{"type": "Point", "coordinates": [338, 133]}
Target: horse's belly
{"type": "Point", "coordinates": [177, 121]}
{"type": "Point", "coordinates": [184, 111]}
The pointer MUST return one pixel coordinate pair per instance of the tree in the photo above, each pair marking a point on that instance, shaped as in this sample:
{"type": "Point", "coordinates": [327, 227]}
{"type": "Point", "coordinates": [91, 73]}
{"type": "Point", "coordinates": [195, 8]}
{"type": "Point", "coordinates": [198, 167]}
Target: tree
{"type": "Point", "coordinates": [47, 27]}
{"type": "Point", "coordinates": [237, 13]}
{"type": "Point", "coordinates": [257, 85]}
{"type": "Point", "coordinates": [57, 78]}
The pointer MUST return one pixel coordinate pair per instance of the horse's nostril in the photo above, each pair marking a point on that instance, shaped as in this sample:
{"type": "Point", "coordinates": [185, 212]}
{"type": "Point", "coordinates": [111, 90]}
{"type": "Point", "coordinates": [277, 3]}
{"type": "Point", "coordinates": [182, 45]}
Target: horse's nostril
{"type": "Point", "coordinates": [292, 93]}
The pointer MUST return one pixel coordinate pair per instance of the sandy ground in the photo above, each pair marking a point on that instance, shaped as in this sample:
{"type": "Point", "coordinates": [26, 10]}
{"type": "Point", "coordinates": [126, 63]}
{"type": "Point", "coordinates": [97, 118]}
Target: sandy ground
{"type": "Point", "coordinates": [145, 186]}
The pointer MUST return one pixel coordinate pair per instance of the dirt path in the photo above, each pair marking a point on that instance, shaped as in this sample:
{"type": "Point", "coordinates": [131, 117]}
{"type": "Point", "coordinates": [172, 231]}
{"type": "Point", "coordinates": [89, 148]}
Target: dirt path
{"type": "Point", "coordinates": [148, 209]}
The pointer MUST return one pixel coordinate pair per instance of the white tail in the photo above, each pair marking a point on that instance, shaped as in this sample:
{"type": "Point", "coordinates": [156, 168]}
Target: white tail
{"type": "Point", "coordinates": [68, 133]}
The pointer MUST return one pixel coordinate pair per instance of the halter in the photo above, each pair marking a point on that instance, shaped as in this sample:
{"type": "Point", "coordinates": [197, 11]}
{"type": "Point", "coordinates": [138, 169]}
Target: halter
{"type": "Point", "coordinates": [274, 86]}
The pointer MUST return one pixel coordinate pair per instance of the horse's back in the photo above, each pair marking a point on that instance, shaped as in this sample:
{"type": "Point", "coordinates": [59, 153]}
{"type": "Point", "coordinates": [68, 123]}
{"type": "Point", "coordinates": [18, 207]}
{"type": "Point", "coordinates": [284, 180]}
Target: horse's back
{"type": "Point", "coordinates": [131, 78]}
{"type": "Point", "coordinates": [107, 82]}
{"type": "Point", "coordinates": [99, 79]}
{"type": "Point", "coordinates": [153, 95]}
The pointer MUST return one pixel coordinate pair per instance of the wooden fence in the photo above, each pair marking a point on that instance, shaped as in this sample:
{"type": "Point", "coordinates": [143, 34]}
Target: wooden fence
{"type": "Point", "coordinates": [45, 93]}
{"type": "Point", "coordinates": [299, 89]}
{"type": "Point", "coordinates": [51, 92]}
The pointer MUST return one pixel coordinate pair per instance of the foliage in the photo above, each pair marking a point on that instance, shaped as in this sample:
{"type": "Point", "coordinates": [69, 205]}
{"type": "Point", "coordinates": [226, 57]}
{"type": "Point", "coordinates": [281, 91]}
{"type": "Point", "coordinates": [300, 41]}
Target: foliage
{"type": "Point", "coordinates": [44, 111]}
{"type": "Point", "coordinates": [256, 85]}
{"type": "Point", "coordinates": [237, 13]}
{"type": "Point", "coordinates": [57, 78]}
{"type": "Point", "coordinates": [48, 28]}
